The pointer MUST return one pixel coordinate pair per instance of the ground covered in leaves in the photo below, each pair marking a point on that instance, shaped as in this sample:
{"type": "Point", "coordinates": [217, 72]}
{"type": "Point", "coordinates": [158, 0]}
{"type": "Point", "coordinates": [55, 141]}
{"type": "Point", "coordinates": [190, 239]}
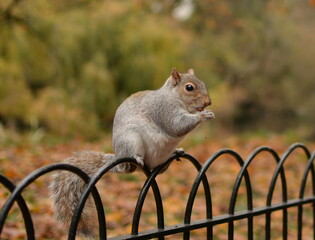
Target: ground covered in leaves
{"type": "Point", "coordinates": [120, 192]}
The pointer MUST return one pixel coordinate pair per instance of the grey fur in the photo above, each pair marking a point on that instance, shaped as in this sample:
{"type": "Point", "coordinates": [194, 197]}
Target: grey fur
{"type": "Point", "coordinates": [147, 126]}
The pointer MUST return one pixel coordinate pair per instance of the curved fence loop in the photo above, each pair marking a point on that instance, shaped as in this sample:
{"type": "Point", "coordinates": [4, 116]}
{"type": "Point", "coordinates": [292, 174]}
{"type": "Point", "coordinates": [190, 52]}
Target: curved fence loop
{"type": "Point", "coordinates": [40, 172]}
{"type": "Point", "coordinates": [198, 180]}
{"type": "Point", "coordinates": [249, 194]}
{"type": "Point", "coordinates": [151, 179]}
{"type": "Point", "coordinates": [207, 194]}
{"type": "Point", "coordinates": [309, 168]}
{"type": "Point", "coordinates": [28, 222]}
{"type": "Point", "coordinates": [91, 185]}
{"type": "Point", "coordinates": [143, 194]}
{"type": "Point", "coordinates": [206, 187]}
{"type": "Point", "coordinates": [280, 170]}
{"type": "Point", "coordinates": [196, 184]}
{"type": "Point", "coordinates": [239, 180]}
{"type": "Point", "coordinates": [95, 178]}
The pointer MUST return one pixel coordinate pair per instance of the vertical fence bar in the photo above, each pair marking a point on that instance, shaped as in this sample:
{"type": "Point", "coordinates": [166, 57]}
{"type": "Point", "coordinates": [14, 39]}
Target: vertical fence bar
{"type": "Point", "coordinates": [29, 226]}
{"type": "Point", "coordinates": [285, 224]}
{"type": "Point", "coordinates": [309, 168]}
{"type": "Point", "coordinates": [268, 225]}
{"type": "Point", "coordinates": [279, 170]}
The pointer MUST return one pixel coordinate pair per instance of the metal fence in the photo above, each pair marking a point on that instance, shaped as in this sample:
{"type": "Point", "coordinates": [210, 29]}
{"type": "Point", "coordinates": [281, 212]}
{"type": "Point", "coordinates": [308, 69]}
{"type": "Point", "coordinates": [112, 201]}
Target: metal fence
{"type": "Point", "coordinates": [187, 226]}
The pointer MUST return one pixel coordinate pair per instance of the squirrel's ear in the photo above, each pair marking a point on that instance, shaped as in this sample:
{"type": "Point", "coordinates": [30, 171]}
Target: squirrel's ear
{"type": "Point", "coordinates": [191, 71]}
{"type": "Point", "coordinates": [176, 76]}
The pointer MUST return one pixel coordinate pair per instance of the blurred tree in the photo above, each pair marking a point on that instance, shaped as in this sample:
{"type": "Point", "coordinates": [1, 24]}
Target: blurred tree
{"type": "Point", "coordinates": [68, 64]}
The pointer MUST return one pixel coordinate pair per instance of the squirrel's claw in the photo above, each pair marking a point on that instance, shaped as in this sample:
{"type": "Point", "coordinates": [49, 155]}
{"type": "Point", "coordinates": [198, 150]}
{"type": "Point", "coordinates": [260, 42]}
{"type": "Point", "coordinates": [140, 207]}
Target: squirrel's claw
{"type": "Point", "coordinates": [206, 115]}
{"type": "Point", "coordinates": [179, 152]}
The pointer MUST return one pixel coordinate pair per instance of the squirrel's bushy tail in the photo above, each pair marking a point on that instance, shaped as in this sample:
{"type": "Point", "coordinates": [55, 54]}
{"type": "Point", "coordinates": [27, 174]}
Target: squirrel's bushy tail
{"type": "Point", "coordinates": [66, 189]}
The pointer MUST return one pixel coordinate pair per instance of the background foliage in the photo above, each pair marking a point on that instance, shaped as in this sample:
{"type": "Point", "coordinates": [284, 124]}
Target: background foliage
{"type": "Point", "coordinates": [66, 65]}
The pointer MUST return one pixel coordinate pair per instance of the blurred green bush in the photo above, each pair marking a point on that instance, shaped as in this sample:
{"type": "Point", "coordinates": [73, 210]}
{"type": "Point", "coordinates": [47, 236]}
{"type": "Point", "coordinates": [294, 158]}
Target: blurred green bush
{"type": "Point", "coordinates": [66, 65]}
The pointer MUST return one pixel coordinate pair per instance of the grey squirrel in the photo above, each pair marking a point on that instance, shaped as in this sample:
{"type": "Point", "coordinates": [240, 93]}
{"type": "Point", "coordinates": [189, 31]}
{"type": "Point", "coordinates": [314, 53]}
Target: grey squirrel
{"type": "Point", "coordinates": [148, 126]}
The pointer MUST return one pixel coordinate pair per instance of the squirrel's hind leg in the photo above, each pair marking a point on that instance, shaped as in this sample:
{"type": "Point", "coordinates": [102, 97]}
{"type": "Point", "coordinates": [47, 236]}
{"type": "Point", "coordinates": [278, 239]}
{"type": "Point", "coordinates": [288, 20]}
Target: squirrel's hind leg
{"type": "Point", "coordinates": [131, 147]}
{"type": "Point", "coordinates": [128, 167]}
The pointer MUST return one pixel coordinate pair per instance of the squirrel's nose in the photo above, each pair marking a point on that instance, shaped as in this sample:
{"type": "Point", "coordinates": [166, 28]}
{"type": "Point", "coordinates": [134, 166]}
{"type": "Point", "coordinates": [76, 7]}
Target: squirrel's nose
{"type": "Point", "coordinates": [208, 102]}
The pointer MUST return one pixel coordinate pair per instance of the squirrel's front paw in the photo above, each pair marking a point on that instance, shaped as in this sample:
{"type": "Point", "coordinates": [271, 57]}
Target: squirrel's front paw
{"type": "Point", "coordinates": [206, 115]}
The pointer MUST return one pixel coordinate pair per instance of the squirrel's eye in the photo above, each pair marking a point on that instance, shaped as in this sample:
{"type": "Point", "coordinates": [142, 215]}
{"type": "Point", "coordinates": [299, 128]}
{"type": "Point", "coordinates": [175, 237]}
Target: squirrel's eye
{"type": "Point", "coordinates": [189, 87]}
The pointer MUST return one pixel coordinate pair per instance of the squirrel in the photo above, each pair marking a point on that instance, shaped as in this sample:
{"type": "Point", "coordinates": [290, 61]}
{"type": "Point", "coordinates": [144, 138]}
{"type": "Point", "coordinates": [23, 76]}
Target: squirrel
{"type": "Point", "coordinates": [147, 126]}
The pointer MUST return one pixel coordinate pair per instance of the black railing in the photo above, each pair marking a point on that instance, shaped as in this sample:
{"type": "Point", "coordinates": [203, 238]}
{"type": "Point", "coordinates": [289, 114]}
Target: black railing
{"type": "Point", "coordinates": [187, 226]}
